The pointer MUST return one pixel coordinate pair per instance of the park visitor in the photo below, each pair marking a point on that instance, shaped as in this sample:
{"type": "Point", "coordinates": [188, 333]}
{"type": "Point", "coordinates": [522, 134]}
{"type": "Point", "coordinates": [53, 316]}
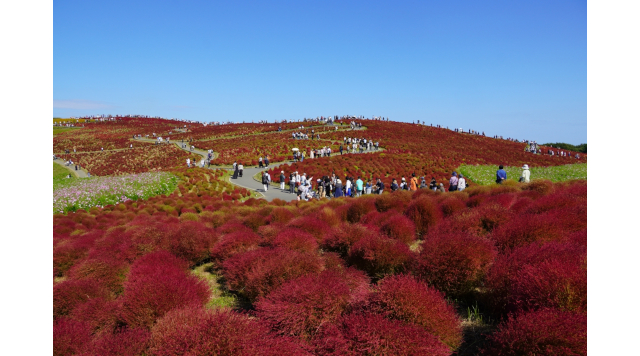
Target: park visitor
{"type": "Point", "coordinates": [501, 175]}
{"type": "Point", "coordinates": [282, 178]}
{"type": "Point", "coordinates": [240, 169]}
{"type": "Point", "coordinates": [441, 188]}
{"type": "Point", "coordinates": [359, 187]}
{"type": "Point", "coordinates": [526, 174]}
{"type": "Point", "coordinates": [414, 182]}
{"type": "Point", "coordinates": [462, 183]}
{"type": "Point", "coordinates": [453, 182]}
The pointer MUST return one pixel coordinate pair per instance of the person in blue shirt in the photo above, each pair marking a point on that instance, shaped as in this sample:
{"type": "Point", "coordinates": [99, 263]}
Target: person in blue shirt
{"type": "Point", "coordinates": [501, 175]}
{"type": "Point", "coordinates": [359, 184]}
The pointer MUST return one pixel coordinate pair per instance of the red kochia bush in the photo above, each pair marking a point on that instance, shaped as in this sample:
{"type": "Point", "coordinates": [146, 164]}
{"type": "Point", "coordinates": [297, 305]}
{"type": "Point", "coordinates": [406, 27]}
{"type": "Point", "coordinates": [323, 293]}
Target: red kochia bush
{"type": "Point", "coordinates": [295, 239]}
{"type": "Point", "coordinates": [375, 335]}
{"type": "Point", "coordinates": [122, 343]}
{"type": "Point", "coordinates": [543, 332]}
{"type": "Point", "coordinates": [300, 306]}
{"type": "Point", "coordinates": [400, 228]}
{"type": "Point", "coordinates": [101, 315]}
{"type": "Point", "coordinates": [538, 276]}
{"type": "Point", "coordinates": [157, 283]}
{"type": "Point", "coordinates": [527, 228]}
{"type": "Point", "coordinates": [70, 337]}
{"type": "Point", "coordinates": [455, 263]}
{"type": "Point", "coordinates": [196, 331]}
{"type": "Point", "coordinates": [358, 209]}
{"type": "Point", "coordinates": [312, 225]}
{"type": "Point", "coordinates": [233, 243]}
{"type": "Point", "coordinates": [258, 272]}
{"type": "Point", "coordinates": [69, 294]}
{"type": "Point", "coordinates": [405, 298]}
{"type": "Point", "coordinates": [425, 214]}
{"type": "Point", "coordinates": [344, 236]}
{"type": "Point", "coordinates": [451, 205]}
{"type": "Point", "coordinates": [379, 255]}
{"type": "Point", "coordinates": [190, 241]}
{"type": "Point", "coordinates": [108, 272]}
{"type": "Point", "coordinates": [280, 215]}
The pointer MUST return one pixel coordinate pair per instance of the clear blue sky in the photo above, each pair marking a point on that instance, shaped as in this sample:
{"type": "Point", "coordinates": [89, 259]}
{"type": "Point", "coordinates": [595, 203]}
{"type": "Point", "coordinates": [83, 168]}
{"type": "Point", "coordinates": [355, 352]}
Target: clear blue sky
{"type": "Point", "coordinates": [512, 68]}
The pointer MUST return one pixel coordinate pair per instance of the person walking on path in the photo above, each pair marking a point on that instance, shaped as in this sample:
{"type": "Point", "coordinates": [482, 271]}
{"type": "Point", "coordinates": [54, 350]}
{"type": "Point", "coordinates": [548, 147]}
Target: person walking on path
{"type": "Point", "coordinates": [380, 186]}
{"type": "Point", "coordinates": [414, 182]}
{"type": "Point", "coordinates": [266, 162]}
{"type": "Point", "coordinates": [433, 185]}
{"type": "Point", "coordinates": [359, 186]}
{"type": "Point", "coordinates": [338, 189]}
{"type": "Point", "coordinates": [394, 185]}
{"type": "Point", "coordinates": [260, 162]}
{"type": "Point", "coordinates": [501, 175]}
{"type": "Point", "coordinates": [292, 183]}
{"type": "Point", "coordinates": [188, 163]}
{"type": "Point", "coordinates": [265, 181]}
{"type": "Point", "coordinates": [240, 169]}
{"type": "Point", "coordinates": [526, 174]}
{"type": "Point", "coordinates": [235, 172]}
{"type": "Point", "coordinates": [453, 182]}
{"type": "Point", "coordinates": [441, 188]}
{"type": "Point", "coordinates": [282, 178]}
{"type": "Point", "coordinates": [462, 183]}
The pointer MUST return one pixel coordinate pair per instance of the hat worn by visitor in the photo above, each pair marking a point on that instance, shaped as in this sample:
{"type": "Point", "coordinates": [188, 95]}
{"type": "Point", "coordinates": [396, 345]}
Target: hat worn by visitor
{"type": "Point", "coordinates": [526, 166]}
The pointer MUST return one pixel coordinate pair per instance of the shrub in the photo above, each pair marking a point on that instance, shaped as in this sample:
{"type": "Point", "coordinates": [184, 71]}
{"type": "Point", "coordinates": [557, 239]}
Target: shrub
{"type": "Point", "coordinates": [196, 331]}
{"type": "Point", "coordinates": [455, 263]}
{"type": "Point", "coordinates": [312, 225]}
{"type": "Point", "coordinates": [400, 228]}
{"type": "Point", "coordinates": [527, 228]}
{"type": "Point", "coordinates": [255, 220]}
{"type": "Point", "coordinates": [450, 206]}
{"type": "Point", "coordinates": [344, 236]}
{"type": "Point", "coordinates": [190, 241]}
{"type": "Point", "coordinates": [69, 294]}
{"type": "Point", "coordinates": [233, 243]}
{"type": "Point", "coordinates": [101, 315]}
{"type": "Point", "coordinates": [329, 216]}
{"type": "Point", "coordinates": [375, 335]}
{"type": "Point", "coordinates": [258, 272]}
{"type": "Point", "coordinates": [64, 256]}
{"type": "Point", "coordinates": [69, 337]}
{"type": "Point", "coordinates": [405, 298]}
{"type": "Point", "coordinates": [379, 256]}
{"type": "Point", "coordinates": [357, 209]}
{"type": "Point", "coordinates": [125, 342]}
{"type": "Point", "coordinates": [157, 283]}
{"type": "Point", "coordinates": [394, 201]}
{"type": "Point", "coordinates": [537, 276]}
{"type": "Point", "coordinates": [280, 215]}
{"type": "Point", "coordinates": [108, 272]}
{"type": "Point", "coordinates": [543, 332]}
{"type": "Point", "coordinates": [424, 213]}
{"type": "Point", "coordinates": [300, 306]}
{"type": "Point", "coordinates": [295, 239]}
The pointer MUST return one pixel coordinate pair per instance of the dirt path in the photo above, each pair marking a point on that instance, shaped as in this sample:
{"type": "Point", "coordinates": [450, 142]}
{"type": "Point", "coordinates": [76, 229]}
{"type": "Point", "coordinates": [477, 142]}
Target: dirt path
{"type": "Point", "coordinates": [80, 173]}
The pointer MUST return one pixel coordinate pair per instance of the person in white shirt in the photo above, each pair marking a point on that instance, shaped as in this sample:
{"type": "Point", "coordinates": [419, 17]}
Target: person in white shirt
{"type": "Point", "coordinates": [188, 162]}
{"type": "Point", "coordinates": [526, 174]}
{"type": "Point", "coordinates": [461, 183]}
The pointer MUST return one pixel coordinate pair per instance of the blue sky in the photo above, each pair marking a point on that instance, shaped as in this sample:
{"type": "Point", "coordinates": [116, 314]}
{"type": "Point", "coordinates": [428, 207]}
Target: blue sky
{"type": "Point", "coordinates": [512, 68]}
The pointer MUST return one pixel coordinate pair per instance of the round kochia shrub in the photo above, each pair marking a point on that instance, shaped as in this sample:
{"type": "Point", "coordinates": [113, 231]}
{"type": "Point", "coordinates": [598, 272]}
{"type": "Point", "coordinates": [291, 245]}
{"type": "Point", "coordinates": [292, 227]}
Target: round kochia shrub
{"type": "Point", "coordinates": [69, 294]}
{"type": "Point", "coordinates": [344, 236]}
{"type": "Point", "coordinates": [400, 228]}
{"type": "Point", "coordinates": [233, 243]}
{"type": "Point", "coordinates": [122, 343]}
{"type": "Point", "coordinates": [378, 255]}
{"type": "Point", "coordinates": [455, 263]}
{"type": "Point", "coordinates": [425, 214]}
{"type": "Point", "coordinates": [405, 298]}
{"type": "Point", "coordinates": [375, 335]}
{"type": "Point", "coordinates": [70, 337]}
{"type": "Point", "coordinates": [543, 332]}
{"type": "Point", "coordinates": [296, 239]}
{"type": "Point", "coordinates": [256, 273]}
{"type": "Point", "coordinates": [157, 283]}
{"type": "Point", "coordinates": [302, 305]}
{"type": "Point", "coordinates": [538, 276]}
{"type": "Point", "coordinates": [524, 229]}
{"type": "Point", "coordinates": [196, 331]}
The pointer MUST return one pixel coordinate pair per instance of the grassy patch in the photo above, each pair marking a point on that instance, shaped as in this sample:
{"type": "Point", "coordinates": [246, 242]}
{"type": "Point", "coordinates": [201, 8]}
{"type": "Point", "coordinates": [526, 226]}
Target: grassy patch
{"type": "Point", "coordinates": [220, 298]}
{"type": "Point", "coordinates": [60, 174]}
{"type": "Point", "coordinates": [485, 175]}
{"type": "Point", "coordinates": [74, 194]}
{"type": "Point", "coordinates": [59, 130]}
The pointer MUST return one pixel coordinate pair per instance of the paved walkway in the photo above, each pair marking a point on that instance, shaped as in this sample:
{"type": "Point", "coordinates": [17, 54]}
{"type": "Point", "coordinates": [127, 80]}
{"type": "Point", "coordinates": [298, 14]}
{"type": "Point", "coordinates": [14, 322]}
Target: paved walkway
{"type": "Point", "coordinates": [80, 173]}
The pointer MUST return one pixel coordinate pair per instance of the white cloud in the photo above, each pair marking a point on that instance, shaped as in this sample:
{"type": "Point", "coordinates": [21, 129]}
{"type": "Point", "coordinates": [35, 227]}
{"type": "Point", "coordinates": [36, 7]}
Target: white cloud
{"type": "Point", "coordinates": [80, 104]}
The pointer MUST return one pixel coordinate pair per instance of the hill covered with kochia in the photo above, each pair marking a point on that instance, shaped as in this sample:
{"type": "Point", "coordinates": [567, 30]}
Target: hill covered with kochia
{"type": "Point", "coordinates": [326, 277]}
{"type": "Point", "coordinates": [199, 271]}
{"type": "Point", "coordinates": [408, 148]}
